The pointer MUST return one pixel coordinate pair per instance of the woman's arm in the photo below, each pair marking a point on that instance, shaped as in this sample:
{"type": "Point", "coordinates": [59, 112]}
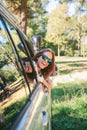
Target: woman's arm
{"type": "Point", "coordinates": [28, 68]}
{"type": "Point", "coordinates": [45, 83]}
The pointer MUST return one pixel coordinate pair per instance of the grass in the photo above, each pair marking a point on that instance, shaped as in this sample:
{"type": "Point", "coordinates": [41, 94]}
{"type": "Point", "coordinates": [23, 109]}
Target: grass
{"type": "Point", "coordinates": [69, 106]}
{"type": "Point", "coordinates": [10, 113]}
{"type": "Point", "coordinates": [69, 100]}
{"type": "Point", "coordinates": [70, 67]}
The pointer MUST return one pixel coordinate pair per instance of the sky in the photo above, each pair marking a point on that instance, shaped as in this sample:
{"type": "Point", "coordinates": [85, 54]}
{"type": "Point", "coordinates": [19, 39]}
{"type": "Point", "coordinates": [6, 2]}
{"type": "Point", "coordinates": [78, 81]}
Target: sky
{"type": "Point", "coordinates": [53, 4]}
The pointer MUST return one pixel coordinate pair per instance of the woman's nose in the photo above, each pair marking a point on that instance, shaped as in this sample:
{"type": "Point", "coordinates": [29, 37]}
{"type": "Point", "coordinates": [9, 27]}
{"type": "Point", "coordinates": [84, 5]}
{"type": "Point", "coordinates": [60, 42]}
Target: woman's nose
{"type": "Point", "coordinates": [46, 61]}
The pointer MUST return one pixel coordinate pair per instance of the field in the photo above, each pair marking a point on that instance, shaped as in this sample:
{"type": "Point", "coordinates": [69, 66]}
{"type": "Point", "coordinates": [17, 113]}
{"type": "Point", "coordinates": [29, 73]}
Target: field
{"type": "Point", "coordinates": [69, 95]}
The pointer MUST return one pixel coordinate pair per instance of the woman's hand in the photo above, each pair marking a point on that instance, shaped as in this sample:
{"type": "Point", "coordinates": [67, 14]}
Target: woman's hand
{"type": "Point", "coordinates": [44, 82]}
{"type": "Point", "coordinates": [28, 68]}
{"type": "Point", "coordinates": [40, 78]}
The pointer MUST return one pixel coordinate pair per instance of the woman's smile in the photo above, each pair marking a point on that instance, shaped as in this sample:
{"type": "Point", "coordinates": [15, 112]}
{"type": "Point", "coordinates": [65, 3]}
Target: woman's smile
{"type": "Point", "coordinates": [43, 63]}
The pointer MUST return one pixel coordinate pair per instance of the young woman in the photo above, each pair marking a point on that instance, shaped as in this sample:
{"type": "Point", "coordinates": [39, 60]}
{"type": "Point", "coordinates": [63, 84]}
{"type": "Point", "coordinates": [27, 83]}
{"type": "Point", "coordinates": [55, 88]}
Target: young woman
{"type": "Point", "coordinates": [45, 65]}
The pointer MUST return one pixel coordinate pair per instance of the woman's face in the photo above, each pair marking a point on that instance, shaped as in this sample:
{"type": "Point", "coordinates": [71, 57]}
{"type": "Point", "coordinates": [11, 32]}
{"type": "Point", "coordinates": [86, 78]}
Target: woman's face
{"type": "Point", "coordinates": [44, 60]}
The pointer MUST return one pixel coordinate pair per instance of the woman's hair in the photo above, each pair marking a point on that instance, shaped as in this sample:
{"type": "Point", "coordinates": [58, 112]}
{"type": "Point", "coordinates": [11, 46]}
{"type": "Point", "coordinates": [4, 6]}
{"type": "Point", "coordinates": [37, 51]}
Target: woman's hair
{"type": "Point", "coordinates": [46, 72]}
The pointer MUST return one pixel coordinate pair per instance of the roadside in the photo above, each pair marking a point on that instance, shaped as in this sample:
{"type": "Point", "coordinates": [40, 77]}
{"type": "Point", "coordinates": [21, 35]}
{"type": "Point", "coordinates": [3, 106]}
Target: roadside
{"type": "Point", "coordinates": [70, 77]}
{"type": "Point", "coordinates": [69, 59]}
{"type": "Point", "coordinates": [70, 69]}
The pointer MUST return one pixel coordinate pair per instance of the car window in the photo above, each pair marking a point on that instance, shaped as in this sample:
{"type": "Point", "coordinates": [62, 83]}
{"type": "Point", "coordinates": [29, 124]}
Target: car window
{"type": "Point", "coordinates": [13, 89]}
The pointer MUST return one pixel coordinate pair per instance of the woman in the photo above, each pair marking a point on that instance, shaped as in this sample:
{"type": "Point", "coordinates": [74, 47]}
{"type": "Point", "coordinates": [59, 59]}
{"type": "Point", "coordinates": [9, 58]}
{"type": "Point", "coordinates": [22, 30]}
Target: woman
{"type": "Point", "coordinates": [45, 65]}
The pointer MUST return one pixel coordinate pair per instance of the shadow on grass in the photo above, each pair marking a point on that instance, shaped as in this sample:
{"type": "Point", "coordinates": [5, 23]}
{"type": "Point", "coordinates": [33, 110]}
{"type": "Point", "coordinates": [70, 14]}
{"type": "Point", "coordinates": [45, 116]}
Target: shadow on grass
{"type": "Point", "coordinates": [67, 93]}
{"type": "Point", "coordinates": [77, 65]}
{"type": "Point", "coordinates": [64, 72]}
{"type": "Point", "coordinates": [62, 121]}
{"type": "Point", "coordinates": [72, 67]}
{"type": "Point", "coordinates": [69, 117]}
{"type": "Point", "coordinates": [65, 62]}
{"type": "Point", "coordinates": [10, 113]}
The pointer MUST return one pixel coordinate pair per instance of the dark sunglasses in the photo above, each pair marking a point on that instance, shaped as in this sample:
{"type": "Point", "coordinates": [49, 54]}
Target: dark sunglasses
{"type": "Point", "coordinates": [44, 57]}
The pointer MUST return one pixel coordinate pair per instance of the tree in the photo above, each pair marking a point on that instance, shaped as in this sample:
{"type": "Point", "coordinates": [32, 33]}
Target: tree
{"type": "Point", "coordinates": [25, 9]}
{"type": "Point", "coordinates": [58, 24]}
{"type": "Point", "coordinates": [63, 28]}
{"type": "Point", "coordinates": [79, 22]}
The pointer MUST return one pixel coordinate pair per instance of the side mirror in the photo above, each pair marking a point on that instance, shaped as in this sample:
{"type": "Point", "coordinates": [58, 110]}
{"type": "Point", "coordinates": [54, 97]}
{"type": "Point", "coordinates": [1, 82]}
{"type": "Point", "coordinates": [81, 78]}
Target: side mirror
{"type": "Point", "coordinates": [36, 43]}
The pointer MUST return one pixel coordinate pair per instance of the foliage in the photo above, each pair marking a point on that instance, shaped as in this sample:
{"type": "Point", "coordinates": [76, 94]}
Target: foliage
{"type": "Point", "coordinates": [69, 106]}
{"type": "Point", "coordinates": [46, 44]}
{"type": "Point", "coordinates": [10, 75]}
{"type": "Point", "coordinates": [69, 99]}
{"type": "Point", "coordinates": [58, 24]}
{"type": "Point", "coordinates": [63, 28]}
{"type": "Point", "coordinates": [71, 48]}
{"type": "Point", "coordinates": [69, 65]}
{"type": "Point", "coordinates": [54, 28]}
{"type": "Point", "coordinates": [37, 26]}
{"type": "Point", "coordinates": [26, 10]}
{"type": "Point", "coordinates": [7, 63]}
{"type": "Point", "coordinates": [10, 113]}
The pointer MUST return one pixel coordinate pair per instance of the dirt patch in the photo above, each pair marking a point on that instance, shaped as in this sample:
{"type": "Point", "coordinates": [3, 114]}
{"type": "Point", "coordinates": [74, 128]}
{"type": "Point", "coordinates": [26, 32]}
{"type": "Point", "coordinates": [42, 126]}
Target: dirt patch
{"type": "Point", "coordinates": [17, 96]}
{"type": "Point", "coordinates": [82, 75]}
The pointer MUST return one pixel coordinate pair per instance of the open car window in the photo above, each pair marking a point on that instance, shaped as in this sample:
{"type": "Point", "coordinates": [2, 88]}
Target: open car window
{"type": "Point", "coordinates": [23, 105]}
{"type": "Point", "coordinates": [13, 88]}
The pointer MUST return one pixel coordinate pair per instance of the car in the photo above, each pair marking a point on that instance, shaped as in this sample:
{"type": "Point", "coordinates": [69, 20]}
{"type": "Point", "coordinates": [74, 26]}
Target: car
{"type": "Point", "coordinates": [23, 105]}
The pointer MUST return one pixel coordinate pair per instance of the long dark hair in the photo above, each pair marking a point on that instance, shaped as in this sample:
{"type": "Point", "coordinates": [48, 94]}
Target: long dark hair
{"type": "Point", "coordinates": [46, 72]}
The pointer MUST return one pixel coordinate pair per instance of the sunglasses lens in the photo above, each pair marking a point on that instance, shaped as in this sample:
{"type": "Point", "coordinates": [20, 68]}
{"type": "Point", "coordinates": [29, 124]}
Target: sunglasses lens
{"type": "Point", "coordinates": [46, 58]}
{"type": "Point", "coordinates": [49, 60]}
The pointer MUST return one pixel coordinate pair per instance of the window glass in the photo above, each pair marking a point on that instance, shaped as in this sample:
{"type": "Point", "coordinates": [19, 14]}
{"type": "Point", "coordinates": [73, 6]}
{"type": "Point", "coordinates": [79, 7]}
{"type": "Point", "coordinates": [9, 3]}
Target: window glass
{"type": "Point", "coordinates": [21, 50]}
{"type": "Point", "coordinates": [13, 89]}
{"type": "Point", "coordinates": [16, 39]}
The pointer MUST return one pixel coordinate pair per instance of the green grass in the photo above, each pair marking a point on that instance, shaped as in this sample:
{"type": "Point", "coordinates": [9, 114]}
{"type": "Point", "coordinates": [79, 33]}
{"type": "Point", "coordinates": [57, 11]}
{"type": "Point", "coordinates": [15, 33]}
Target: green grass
{"type": "Point", "coordinates": [67, 68]}
{"type": "Point", "coordinates": [10, 113]}
{"type": "Point", "coordinates": [69, 100]}
{"type": "Point", "coordinates": [69, 106]}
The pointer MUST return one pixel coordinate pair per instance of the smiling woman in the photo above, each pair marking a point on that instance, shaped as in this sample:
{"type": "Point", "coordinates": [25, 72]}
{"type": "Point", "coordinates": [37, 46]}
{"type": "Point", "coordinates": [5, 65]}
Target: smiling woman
{"type": "Point", "coordinates": [45, 65]}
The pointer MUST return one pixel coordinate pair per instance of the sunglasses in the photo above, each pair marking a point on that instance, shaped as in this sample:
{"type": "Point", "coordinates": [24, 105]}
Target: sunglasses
{"type": "Point", "coordinates": [44, 57]}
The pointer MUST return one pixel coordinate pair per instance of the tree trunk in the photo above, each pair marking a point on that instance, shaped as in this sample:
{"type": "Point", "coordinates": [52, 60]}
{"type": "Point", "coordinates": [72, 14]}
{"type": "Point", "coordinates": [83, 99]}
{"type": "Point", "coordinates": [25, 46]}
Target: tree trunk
{"type": "Point", "coordinates": [58, 51]}
{"type": "Point", "coordinates": [23, 12]}
{"type": "Point", "coordinates": [79, 45]}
